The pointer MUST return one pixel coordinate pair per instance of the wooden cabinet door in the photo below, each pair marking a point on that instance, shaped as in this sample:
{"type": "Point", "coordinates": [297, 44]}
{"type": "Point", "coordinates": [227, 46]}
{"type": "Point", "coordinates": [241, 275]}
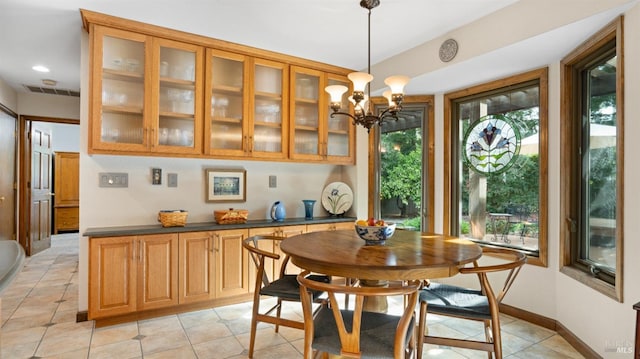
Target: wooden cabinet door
{"type": "Point", "coordinates": [269, 125]}
{"type": "Point", "coordinates": [231, 262]}
{"type": "Point", "coordinates": [158, 270]}
{"type": "Point", "coordinates": [283, 231]}
{"type": "Point", "coordinates": [307, 126]}
{"type": "Point", "coordinates": [226, 105]}
{"type": "Point", "coordinates": [65, 185]}
{"type": "Point", "coordinates": [327, 226]}
{"type": "Point", "coordinates": [112, 276]}
{"type": "Point", "coordinates": [340, 137]}
{"type": "Point", "coordinates": [196, 267]}
{"type": "Point", "coordinates": [120, 83]}
{"type": "Point", "coordinates": [176, 101]}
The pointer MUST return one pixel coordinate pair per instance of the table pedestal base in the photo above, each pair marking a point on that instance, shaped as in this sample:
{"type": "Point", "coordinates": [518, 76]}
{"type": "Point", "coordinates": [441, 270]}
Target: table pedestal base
{"type": "Point", "coordinates": [378, 303]}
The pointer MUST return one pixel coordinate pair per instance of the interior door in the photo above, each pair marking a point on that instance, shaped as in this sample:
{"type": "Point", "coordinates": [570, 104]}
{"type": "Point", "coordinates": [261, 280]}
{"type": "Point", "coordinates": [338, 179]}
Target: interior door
{"type": "Point", "coordinates": [41, 191]}
{"type": "Point", "coordinates": [7, 175]}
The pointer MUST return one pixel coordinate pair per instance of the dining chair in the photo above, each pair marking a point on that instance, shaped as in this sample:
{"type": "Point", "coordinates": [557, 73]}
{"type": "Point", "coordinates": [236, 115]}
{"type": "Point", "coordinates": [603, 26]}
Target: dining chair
{"type": "Point", "coordinates": [357, 333]}
{"type": "Point", "coordinates": [272, 281]}
{"type": "Point", "coordinates": [474, 304]}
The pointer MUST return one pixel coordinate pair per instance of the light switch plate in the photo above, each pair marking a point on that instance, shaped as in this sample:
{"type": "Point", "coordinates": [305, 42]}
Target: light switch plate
{"type": "Point", "coordinates": [172, 180]}
{"type": "Point", "coordinates": [156, 176]}
{"type": "Point", "coordinates": [113, 179]}
{"type": "Point", "coordinates": [273, 181]}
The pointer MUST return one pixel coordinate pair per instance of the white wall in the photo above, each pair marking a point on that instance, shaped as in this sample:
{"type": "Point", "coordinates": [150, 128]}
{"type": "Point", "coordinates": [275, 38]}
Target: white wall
{"type": "Point", "coordinates": [8, 96]}
{"type": "Point", "coordinates": [599, 321]}
{"type": "Point", "coordinates": [65, 137]}
{"type": "Point", "coordinates": [38, 104]}
{"type": "Point", "coordinates": [579, 308]}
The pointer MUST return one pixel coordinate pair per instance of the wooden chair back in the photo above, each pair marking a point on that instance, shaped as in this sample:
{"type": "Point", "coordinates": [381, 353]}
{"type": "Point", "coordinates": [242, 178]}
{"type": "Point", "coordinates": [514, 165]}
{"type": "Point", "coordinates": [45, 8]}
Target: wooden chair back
{"type": "Point", "coordinates": [349, 323]}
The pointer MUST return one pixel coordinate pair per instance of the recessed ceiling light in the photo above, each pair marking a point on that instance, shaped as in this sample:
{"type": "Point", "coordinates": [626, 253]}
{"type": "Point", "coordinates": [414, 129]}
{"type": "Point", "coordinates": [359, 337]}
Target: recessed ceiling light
{"type": "Point", "coordinates": [40, 68]}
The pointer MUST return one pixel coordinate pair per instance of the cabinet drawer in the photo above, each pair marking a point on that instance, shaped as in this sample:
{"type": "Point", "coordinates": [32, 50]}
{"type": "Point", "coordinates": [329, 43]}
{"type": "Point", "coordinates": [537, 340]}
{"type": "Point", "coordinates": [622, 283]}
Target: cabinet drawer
{"type": "Point", "coordinates": [66, 218]}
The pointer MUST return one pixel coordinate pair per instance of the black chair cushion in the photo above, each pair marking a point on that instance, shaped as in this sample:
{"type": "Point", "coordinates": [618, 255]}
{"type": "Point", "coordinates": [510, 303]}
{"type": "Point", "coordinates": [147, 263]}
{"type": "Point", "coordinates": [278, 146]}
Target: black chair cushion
{"type": "Point", "coordinates": [452, 300]}
{"type": "Point", "coordinates": [288, 287]}
{"type": "Point", "coordinates": [377, 332]}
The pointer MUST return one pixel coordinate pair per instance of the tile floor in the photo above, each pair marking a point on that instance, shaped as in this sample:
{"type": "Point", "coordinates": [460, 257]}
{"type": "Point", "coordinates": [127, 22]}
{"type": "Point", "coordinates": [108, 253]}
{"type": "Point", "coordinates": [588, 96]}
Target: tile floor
{"type": "Point", "coordinates": [40, 306]}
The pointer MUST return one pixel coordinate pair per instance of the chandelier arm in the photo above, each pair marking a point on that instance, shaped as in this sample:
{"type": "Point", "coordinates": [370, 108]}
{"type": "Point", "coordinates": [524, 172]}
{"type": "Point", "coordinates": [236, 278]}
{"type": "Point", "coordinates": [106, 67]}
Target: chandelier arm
{"type": "Point", "coordinates": [333, 114]}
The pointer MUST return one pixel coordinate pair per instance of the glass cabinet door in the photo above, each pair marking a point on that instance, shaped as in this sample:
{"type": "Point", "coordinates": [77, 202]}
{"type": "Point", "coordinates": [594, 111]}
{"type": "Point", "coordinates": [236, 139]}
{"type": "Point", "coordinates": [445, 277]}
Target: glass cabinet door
{"type": "Point", "coordinates": [119, 58]}
{"type": "Point", "coordinates": [340, 128]}
{"type": "Point", "coordinates": [226, 108]}
{"type": "Point", "coordinates": [178, 121]}
{"type": "Point", "coordinates": [269, 110]}
{"type": "Point", "coordinates": [306, 127]}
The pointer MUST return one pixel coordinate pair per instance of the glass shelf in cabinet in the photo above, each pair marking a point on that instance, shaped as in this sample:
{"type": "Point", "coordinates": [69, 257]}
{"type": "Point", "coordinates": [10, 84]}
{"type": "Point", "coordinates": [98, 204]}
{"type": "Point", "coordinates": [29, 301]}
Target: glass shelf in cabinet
{"type": "Point", "coordinates": [122, 109]}
{"type": "Point", "coordinates": [122, 75]}
{"type": "Point", "coordinates": [177, 83]}
{"type": "Point", "coordinates": [227, 89]}
{"type": "Point", "coordinates": [269, 96]}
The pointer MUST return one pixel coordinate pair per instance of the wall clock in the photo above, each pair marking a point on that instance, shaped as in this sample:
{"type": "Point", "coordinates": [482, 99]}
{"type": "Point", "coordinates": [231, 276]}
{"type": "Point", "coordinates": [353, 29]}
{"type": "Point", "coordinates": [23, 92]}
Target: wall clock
{"type": "Point", "coordinates": [448, 50]}
{"type": "Point", "coordinates": [491, 145]}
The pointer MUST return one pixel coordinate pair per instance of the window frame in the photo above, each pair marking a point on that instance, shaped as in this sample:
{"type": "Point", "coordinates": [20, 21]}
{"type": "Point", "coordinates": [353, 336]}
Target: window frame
{"type": "Point", "coordinates": [428, 155]}
{"type": "Point", "coordinates": [570, 67]}
{"type": "Point", "coordinates": [452, 155]}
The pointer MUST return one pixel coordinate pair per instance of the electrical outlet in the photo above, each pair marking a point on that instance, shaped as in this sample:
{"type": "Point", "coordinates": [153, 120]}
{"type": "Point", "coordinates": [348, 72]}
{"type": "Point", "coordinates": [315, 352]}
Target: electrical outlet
{"type": "Point", "coordinates": [156, 176]}
{"type": "Point", "coordinates": [172, 180]}
{"type": "Point", "coordinates": [273, 182]}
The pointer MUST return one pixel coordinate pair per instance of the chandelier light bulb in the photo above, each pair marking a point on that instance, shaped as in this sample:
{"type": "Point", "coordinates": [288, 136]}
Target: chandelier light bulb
{"type": "Point", "coordinates": [387, 95]}
{"type": "Point", "coordinates": [397, 83]}
{"type": "Point", "coordinates": [360, 80]}
{"type": "Point", "coordinates": [335, 92]}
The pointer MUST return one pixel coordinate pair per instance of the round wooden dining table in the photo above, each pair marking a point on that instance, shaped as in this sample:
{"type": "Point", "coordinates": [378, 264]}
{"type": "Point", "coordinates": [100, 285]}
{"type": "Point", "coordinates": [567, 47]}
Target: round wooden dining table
{"type": "Point", "coordinates": [406, 255]}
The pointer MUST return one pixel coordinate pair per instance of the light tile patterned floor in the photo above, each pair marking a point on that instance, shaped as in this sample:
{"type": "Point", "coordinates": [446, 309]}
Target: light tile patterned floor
{"type": "Point", "coordinates": [39, 312]}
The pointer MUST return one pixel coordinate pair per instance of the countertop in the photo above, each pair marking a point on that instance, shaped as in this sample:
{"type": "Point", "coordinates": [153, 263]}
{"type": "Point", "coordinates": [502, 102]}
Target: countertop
{"type": "Point", "coordinates": [206, 226]}
{"type": "Point", "coordinates": [11, 262]}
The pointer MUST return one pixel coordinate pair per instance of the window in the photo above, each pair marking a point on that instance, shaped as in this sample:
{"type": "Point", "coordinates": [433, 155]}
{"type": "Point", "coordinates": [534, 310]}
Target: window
{"type": "Point", "coordinates": [592, 162]}
{"type": "Point", "coordinates": [495, 162]}
{"type": "Point", "coordinates": [401, 170]}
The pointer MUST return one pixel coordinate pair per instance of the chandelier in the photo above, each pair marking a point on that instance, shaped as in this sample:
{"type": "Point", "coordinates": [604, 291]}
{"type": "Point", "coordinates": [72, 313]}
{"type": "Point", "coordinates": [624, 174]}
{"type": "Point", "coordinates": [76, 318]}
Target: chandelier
{"type": "Point", "coordinates": [362, 114]}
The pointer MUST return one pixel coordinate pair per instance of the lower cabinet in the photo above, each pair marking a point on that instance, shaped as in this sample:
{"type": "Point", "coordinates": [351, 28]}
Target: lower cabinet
{"type": "Point", "coordinates": [232, 264]}
{"type": "Point", "coordinates": [130, 274]}
{"type": "Point", "coordinates": [282, 231]}
{"type": "Point", "coordinates": [336, 226]}
{"type": "Point", "coordinates": [197, 270]}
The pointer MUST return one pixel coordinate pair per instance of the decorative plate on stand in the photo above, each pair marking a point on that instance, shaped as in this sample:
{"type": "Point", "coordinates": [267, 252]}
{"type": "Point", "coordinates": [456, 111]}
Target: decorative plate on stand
{"type": "Point", "coordinates": [337, 198]}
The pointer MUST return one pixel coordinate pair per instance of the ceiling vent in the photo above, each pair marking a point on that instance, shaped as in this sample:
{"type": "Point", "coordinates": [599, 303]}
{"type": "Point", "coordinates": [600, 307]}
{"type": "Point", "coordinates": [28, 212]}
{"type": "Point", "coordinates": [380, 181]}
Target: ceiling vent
{"type": "Point", "coordinates": [52, 91]}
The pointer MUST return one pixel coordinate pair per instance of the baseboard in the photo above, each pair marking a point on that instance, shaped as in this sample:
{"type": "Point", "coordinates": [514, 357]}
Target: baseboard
{"type": "Point", "coordinates": [82, 316]}
{"type": "Point", "coordinates": [576, 342]}
{"type": "Point", "coordinates": [551, 324]}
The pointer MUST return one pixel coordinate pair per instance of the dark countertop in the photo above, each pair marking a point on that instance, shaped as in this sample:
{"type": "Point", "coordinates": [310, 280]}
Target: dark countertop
{"type": "Point", "coordinates": [11, 262]}
{"type": "Point", "coordinates": [206, 226]}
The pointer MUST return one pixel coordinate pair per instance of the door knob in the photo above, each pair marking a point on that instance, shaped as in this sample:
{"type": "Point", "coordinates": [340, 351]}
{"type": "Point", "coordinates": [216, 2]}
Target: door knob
{"type": "Point", "coordinates": [1, 198]}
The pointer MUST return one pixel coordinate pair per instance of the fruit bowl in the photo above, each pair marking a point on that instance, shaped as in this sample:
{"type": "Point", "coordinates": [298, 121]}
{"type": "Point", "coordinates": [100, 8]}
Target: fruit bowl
{"type": "Point", "coordinates": [376, 234]}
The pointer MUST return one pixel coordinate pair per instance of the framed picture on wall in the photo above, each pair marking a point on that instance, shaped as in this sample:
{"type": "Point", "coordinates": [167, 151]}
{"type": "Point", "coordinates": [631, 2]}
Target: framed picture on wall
{"type": "Point", "coordinates": [225, 185]}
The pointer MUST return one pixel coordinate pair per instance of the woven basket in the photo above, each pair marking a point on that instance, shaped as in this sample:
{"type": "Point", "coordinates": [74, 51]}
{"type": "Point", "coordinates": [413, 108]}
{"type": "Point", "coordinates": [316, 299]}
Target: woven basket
{"type": "Point", "coordinates": [176, 218]}
{"type": "Point", "coordinates": [231, 216]}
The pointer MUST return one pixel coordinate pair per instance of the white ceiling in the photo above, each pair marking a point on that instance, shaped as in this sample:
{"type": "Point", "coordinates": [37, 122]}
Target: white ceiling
{"type": "Point", "coordinates": [48, 32]}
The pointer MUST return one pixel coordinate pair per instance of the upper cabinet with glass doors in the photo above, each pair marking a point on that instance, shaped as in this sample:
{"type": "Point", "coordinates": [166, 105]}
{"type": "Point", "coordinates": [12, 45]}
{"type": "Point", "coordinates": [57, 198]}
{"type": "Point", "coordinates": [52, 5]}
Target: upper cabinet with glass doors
{"type": "Point", "coordinates": [155, 91]}
{"type": "Point", "coordinates": [150, 94]}
{"type": "Point", "coordinates": [315, 136]}
{"type": "Point", "coordinates": [177, 126]}
{"type": "Point", "coordinates": [245, 113]}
